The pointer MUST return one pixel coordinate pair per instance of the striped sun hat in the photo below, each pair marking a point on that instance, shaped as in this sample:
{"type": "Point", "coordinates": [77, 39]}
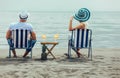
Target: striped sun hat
{"type": "Point", "coordinates": [82, 15]}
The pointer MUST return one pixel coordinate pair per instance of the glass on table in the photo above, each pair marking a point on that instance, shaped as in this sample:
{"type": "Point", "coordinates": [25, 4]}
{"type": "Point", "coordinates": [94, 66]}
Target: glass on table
{"type": "Point", "coordinates": [56, 36]}
{"type": "Point", "coordinates": [43, 37]}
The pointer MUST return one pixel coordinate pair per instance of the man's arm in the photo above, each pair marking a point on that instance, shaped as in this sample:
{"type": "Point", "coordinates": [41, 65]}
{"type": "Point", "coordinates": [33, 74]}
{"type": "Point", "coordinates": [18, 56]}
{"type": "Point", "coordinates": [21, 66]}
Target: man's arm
{"type": "Point", "coordinates": [8, 34]}
{"type": "Point", "coordinates": [33, 35]}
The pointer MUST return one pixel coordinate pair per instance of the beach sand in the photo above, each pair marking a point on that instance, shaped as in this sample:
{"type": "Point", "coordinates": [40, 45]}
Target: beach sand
{"type": "Point", "coordinates": [105, 64]}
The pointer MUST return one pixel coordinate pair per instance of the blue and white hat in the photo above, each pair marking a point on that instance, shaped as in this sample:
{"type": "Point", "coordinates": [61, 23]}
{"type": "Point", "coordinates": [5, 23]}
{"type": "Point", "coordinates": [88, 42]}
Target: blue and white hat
{"type": "Point", "coordinates": [82, 15]}
{"type": "Point", "coordinates": [23, 15]}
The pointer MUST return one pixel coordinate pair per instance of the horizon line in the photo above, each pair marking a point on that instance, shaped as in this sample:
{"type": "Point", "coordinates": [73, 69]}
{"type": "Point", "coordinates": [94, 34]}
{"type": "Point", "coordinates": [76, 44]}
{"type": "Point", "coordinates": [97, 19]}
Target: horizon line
{"type": "Point", "coordinates": [56, 11]}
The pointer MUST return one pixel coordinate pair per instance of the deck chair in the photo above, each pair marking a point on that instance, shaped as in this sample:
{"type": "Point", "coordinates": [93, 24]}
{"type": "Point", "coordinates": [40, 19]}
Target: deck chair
{"type": "Point", "coordinates": [20, 39]}
{"type": "Point", "coordinates": [79, 39]}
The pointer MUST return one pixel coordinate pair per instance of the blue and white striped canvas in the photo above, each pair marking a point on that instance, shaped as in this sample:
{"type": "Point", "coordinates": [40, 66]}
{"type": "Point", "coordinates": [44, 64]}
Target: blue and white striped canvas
{"type": "Point", "coordinates": [80, 38]}
{"type": "Point", "coordinates": [20, 38]}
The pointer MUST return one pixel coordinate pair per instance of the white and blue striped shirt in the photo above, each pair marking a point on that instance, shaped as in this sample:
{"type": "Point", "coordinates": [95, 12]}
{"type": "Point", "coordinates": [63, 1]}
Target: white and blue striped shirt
{"type": "Point", "coordinates": [21, 25]}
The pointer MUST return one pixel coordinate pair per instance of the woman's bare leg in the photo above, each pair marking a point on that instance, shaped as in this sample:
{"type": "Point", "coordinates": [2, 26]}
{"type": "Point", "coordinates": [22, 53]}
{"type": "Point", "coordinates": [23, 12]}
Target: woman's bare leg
{"type": "Point", "coordinates": [78, 53]}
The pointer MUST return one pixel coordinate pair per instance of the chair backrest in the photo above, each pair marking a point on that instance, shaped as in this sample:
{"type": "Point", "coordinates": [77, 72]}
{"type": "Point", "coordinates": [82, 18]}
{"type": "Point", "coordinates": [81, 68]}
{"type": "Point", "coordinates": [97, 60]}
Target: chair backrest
{"type": "Point", "coordinates": [20, 38]}
{"type": "Point", "coordinates": [81, 38]}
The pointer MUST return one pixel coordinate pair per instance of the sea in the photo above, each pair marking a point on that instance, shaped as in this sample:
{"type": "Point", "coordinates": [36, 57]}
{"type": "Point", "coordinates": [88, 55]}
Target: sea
{"type": "Point", "coordinates": [105, 26]}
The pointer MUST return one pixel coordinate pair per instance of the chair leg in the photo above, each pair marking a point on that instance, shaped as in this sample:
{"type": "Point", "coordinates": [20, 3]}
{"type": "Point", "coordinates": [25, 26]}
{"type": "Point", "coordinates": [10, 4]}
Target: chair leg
{"type": "Point", "coordinates": [88, 52]}
{"type": "Point", "coordinates": [91, 49]}
{"type": "Point", "coordinates": [69, 50]}
{"type": "Point", "coordinates": [9, 53]}
{"type": "Point", "coordinates": [31, 54]}
{"type": "Point", "coordinates": [91, 52]}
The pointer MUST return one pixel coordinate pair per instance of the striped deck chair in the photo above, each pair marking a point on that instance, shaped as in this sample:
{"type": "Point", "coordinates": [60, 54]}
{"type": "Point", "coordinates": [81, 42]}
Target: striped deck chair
{"type": "Point", "coordinates": [80, 38]}
{"type": "Point", "coordinates": [19, 40]}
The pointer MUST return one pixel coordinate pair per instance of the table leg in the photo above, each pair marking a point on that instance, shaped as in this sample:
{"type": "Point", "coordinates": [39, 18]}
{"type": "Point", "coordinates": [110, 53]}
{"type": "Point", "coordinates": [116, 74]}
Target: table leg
{"type": "Point", "coordinates": [49, 50]}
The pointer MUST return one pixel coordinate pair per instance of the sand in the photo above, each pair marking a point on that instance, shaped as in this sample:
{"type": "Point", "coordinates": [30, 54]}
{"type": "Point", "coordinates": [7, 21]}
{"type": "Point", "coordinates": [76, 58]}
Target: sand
{"type": "Point", "coordinates": [105, 64]}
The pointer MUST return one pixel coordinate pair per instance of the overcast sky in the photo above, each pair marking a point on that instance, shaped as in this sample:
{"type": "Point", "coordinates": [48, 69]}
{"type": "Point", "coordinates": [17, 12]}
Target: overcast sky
{"type": "Point", "coordinates": [59, 5]}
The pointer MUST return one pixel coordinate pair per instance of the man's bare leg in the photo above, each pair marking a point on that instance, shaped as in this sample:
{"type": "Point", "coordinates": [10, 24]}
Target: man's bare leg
{"type": "Point", "coordinates": [25, 54]}
{"type": "Point", "coordinates": [14, 53]}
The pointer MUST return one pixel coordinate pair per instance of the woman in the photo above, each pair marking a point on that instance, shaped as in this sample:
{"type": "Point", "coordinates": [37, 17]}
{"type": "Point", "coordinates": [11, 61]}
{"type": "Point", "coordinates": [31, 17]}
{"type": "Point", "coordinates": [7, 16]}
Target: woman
{"type": "Point", "coordinates": [81, 25]}
{"type": "Point", "coordinates": [82, 15]}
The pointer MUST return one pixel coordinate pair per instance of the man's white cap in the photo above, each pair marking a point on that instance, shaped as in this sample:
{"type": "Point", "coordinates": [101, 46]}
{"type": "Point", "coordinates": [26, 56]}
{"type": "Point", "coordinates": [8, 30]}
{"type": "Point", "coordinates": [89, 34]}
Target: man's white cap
{"type": "Point", "coordinates": [23, 15]}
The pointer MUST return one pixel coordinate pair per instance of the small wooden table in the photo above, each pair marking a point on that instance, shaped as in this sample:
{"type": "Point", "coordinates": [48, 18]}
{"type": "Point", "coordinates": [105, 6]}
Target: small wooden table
{"type": "Point", "coordinates": [50, 49]}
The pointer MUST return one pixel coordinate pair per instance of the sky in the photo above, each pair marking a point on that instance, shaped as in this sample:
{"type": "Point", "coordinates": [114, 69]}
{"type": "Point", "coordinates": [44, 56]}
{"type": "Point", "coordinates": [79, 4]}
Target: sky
{"type": "Point", "coordinates": [59, 5]}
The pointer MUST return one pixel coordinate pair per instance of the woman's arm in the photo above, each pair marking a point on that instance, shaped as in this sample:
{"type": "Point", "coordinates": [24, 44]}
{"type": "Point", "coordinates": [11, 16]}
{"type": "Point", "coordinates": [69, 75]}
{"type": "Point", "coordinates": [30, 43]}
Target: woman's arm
{"type": "Point", "coordinates": [70, 24]}
{"type": "Point", "coordinates": [80, 26]}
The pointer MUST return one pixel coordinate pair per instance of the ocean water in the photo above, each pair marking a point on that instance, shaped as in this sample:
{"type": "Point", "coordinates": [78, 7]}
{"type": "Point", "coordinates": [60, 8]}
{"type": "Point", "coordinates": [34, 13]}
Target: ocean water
{"type": "Point", "coordinates": [105, 27]}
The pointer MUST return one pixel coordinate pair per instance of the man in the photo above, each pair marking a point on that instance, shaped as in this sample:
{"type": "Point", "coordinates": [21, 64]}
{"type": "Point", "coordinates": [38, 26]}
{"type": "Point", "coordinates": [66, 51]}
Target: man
{"type": "Point", "coordinates": [22, 24]}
